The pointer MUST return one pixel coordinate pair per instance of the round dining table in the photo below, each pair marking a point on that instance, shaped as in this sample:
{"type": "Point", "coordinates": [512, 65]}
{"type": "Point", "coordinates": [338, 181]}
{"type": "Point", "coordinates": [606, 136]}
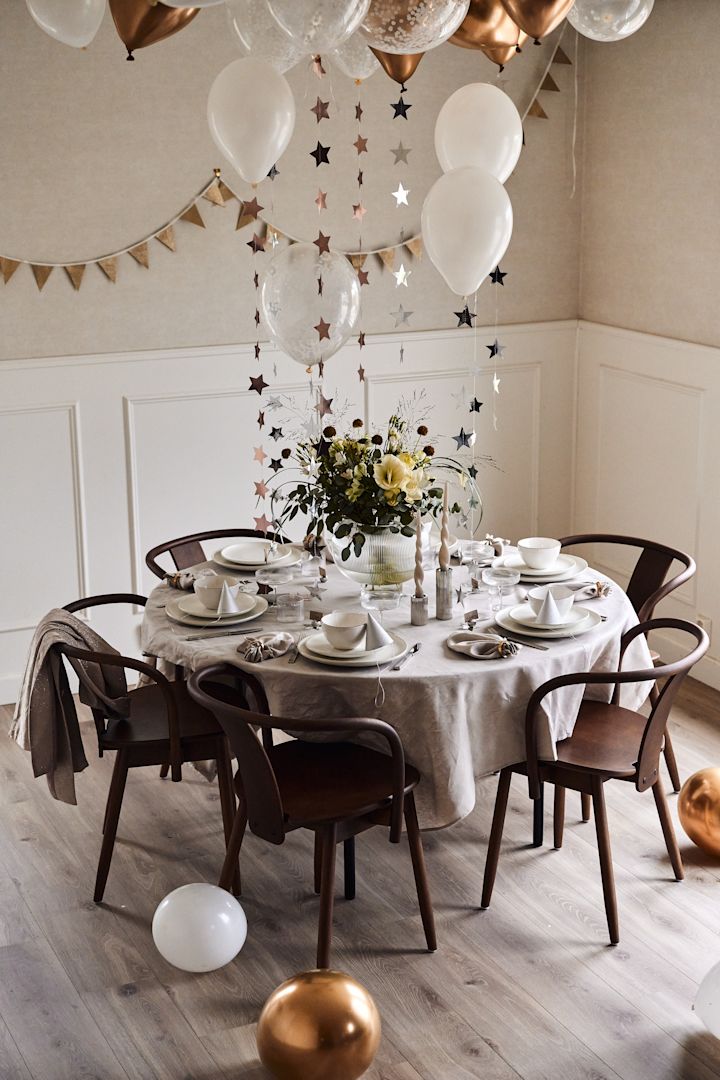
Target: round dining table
{"type": "Point", "coordinates": [459, 718]}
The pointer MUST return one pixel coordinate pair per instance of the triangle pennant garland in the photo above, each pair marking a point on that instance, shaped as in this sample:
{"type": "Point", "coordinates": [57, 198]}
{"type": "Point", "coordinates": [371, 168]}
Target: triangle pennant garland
{"type": "Point", "coordinates": [41, 274]}
{"type": "Point", "coordinates": [561, 57]}
{"type": "Point", "coordinates": [75, 273]}
{"type": "Point", "coordinates": [225, 191]}
{"type": "Point", "coordinates": [8, 268]}
{"type": "Point", "coordinates": [214, 195]}
{"type": "Point", "coordinates": [549, 83]}
{"type": "Point", "coordinates": [141, 254]}
{"type": "Point", "coordinates": [109, 267]}
{"type": "Point", "coordinates": [192, 214]}
{"type": "Point", "coordinates": [387, 257]}
{"type": "Point", "coordinates": [537, 110]}
{"type": "Point", "coordinates": [166, 236]}
{"type": "Point", "coordinates": [357, 259]}
{"type": "Point", "coordinates": [415, 247]}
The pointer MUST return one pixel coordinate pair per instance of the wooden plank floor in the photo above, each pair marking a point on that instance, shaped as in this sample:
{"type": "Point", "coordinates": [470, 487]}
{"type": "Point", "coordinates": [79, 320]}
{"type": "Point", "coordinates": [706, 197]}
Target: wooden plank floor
{"type": "Point", "coordinates": [527, 989]}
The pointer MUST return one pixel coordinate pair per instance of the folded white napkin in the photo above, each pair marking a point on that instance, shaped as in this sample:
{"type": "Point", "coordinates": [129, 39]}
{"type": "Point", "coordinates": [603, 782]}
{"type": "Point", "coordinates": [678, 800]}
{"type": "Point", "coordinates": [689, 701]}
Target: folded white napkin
{"type": "Point", "coordinates": [595, 591]}
{"type": "Point", "coordinates": [265, 647]}
{"type": "Point", "coordinates": [482, 645]}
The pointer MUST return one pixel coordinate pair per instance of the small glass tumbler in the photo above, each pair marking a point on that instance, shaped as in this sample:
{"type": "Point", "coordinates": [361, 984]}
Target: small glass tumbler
{"type": "Point", "coordinates": [290, 607]}
{"type": "Point", "coordinates": [499, 578]}
{"type": "Point", "coordinates": [269, 579]}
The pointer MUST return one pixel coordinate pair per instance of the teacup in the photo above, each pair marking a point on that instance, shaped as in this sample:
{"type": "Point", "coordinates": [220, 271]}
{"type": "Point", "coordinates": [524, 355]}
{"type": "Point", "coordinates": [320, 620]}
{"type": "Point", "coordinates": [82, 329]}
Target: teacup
{"type": "Point", "coordinates": [563, 597]}
{"type": "Point", "coordinates": [208, 589]}
{"type": "Point", "coordinates": [539, 552]}
{"type": "Point", "coordinates": [344, 630]}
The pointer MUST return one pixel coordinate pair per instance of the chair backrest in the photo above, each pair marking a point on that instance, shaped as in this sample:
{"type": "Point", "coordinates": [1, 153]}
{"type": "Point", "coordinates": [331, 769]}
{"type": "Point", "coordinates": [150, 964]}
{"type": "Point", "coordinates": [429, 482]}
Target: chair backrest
{"type": "Point", "coordinates": [647, 585]}
{"type": "Point", "coordinates": [654, 730]}
{"type": "Point", "coordinates": [188, 551]}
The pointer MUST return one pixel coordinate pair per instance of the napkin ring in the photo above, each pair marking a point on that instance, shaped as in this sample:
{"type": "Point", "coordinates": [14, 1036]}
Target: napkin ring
{"type": "Point", "coordinates": [253, 651]}
{"type": "Point", "coordinates": [507, 648]}
{"type": "Point", "coordinates": [602, 588]}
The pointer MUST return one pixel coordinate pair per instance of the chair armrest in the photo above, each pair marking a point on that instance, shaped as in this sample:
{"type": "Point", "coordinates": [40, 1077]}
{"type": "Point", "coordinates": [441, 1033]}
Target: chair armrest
{"type": "Point", "coordinates": [105, 598]}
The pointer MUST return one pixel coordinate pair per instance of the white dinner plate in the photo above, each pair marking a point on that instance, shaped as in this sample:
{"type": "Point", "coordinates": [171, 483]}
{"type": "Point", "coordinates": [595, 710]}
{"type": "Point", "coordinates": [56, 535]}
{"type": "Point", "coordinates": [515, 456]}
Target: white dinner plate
{"type": "Point", "coordinates": [320, 645]}
{"type": "Point", "coordinates": [250, 555]}
{"type": "Point", "coordinates": [387, 653]}
{"type": "Point", "coordinates": [192, 605]}
{"type": "Point", "coordinates": [567, 566]}
{"type": "Point", "coordinates": [173, 612]}
{"type": "Point", "coordinates": [505, 620]}
{"type": "Point", "coordinates": [524, 614]}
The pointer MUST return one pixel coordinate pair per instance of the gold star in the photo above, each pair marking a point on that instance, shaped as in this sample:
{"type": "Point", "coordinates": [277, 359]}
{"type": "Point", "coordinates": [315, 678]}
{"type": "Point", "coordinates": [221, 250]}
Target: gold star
{"type": "Point", "coordinates": [259, 454]}
{"type": "Point", "coordinates": [324, 405]}
{"type": "Point", "coordinates": [361, 339]}
{"type": "Point", "coordinates": [258, 383]}
{"type": "Point", "coordinates": [261, 419]}
{"type": "Point", "coordinates": [320, 108]}
{"type": "Point", "coordinates": [359, 211]}
{"type": "Point", "coordinates": [256, 244]}
{"type": "Point", "coordinates": [322, 243]}
{"type": "Point", "coordinates": [252, 208]}
{"type": "Point", "coordinates": [360, 145]}
{"type": "Point", "coordinates": [262, 524]}
{"type": "Point", "coordinates": [363, 276]}
{"type": "Point", "coordinates": [361, 373]}
{"type": "Point", "coordinates": [320, 200]}
{"type": "Point", "coordinates": [358, 111]}
{"type": "Point", "coordinates": [261, 489]}
{"type": "Point", "coordinates": [323, 329]}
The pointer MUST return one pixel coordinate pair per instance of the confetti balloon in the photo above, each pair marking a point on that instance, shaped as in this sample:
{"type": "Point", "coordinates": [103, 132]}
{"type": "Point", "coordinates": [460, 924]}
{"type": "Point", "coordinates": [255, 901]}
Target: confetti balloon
{"type": "Point", "coordinates": [412, 26]}
{"type": "Point", "coordinates": [479, 125]}
{"type": "Point", "coordinates": [72, 24]}
{"type": "Point", "coordinates": [199, 927]}
{"type": "Point", "coordinates": [319, 25]}
{"type": "Point", "coordinates": [258, 35]}
{"type": "Point", "coordinates": [611, 20]}
{"type": "Point", "coordinates": [311, 302]}
{"type": "Point", "coordinates": [354, 58]}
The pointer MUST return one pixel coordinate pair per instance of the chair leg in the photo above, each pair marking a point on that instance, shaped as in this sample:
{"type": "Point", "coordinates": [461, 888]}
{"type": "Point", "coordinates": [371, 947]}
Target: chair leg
{"type": "Point", "coordinates": [164, 770]}
{"type": "Point", "coordinates": [668, 831]}
{"type": "Point", "coordinates": [418, 864]}
{"type": "Point", "coordinates": [606, 866]}
{"type": "Point", "coordinates": [586, 804]}
{"type": "Point", "coordinates": [227, 801]}
{"type": "Point", "coordinates": [558, 817]}
{"type": "Point", "coordinates": [349, 867]}
{"type": "Point", "coordinates": [112, 815]}
{"type": "Point", "coordinates": [317, 863]}
{"type": "Point", "coordinates": [229, 872]}
{"type": "Point", "coordinates": [493, 854]}
{"type": "Point", "coordinates": [671, 762]}
{"type": "Point", "coordinates": [327, 890]}
{"type": "Point", "coordinates": [539, 819]}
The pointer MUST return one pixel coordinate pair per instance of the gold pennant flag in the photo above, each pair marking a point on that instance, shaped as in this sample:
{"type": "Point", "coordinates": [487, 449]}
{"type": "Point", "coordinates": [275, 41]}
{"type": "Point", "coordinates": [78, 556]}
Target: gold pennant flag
{"type": "Point", "coordinates": [109, 267]}
{"type": "Point", "coordinates": [549, 83]}
{"type": "Point", "coordinates": [166, 236]}
{"type": "Point", "coordinates": [537, 110]}
{"type": "Point", "coordinates": [192, 214]}
{"type": "Point", "coordinates": [561, 57]}
{"type": "Point", "coordinates": [42, 273]}
{"type": "Point", "coordinates": [225, 191]}
{"type": "Point", "coordinates": [75, 273]}
{"type": "Point", "coordinates": [387, 256]}
{"type": "Point", "coordinates": [415, 247]}
{"type": "Point", "coordinates": [8, 268]}
{"type": "Point", "coordinates": [141, 254]}
{"type": "Point", "coordinates": [243, 218]}
{"type": "Point", "coordinates": [358, 260]}
{"type": "Point", "coordinates": [271, 232]}
{"type": "Point", "coordinates": [214, 195]}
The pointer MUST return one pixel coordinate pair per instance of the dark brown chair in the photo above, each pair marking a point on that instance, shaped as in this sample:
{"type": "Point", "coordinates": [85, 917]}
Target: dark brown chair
{"type": "Point", "coordinates": [608, 743]}
{"type": "Point", "coordinates": [336, 789]}
{"type": "Point", "coordinates": [164, 725]}
{"type": "Point", "coordinates": [187, 551]}
{"type": "Point", "coordinates": [646, 588]}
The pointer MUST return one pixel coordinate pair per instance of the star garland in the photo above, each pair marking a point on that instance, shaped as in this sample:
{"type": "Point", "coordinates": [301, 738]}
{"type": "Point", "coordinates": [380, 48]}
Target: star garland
{"type": "Point", "coordinates": [249, 213]}
{"type": "Point", "coordinates": [359, 210]}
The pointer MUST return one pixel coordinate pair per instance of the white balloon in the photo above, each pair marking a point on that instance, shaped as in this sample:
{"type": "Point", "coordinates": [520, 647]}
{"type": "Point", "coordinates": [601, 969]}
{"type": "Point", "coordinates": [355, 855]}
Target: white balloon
{"type": "Point", "coordinates": [293, 307]}
{"type": "Point", "coordinates": [199, 927]}
{"type": "Point", "coordinates": [354, 58]}
{"type": "Point", "coordinates": [479, 125]}
{"type": "Point", "coordinates": [251, 113]}
{"type": "Point", "coordinates": [707, 1002]}
{"type": "Point", "coordinates": [467, 223]}
{"type": "Point", "coordinates": [258, 34]}
{"type": "Point", "coordinates": [412, 26]}
{"type": "Point", "coordinates": [609, 20]}
{"type": "Point", "coordinates": [74, 22]}
{"type": "Point", "coordinates": [319, 25]}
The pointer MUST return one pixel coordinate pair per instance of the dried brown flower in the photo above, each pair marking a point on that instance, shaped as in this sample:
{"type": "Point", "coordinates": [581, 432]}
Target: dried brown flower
{"type": "Point", "coordinates": [329, 432]}
{"type": "Point", "coordinates": [422, 430]}
{"type": "Point", "coordinates": [286, 452]}
{"type": "Point", "coordinates": [428, 451]}
{"type": "Point", "coordinates": [377, 440]}
{"type": "Point", "coordinates": [357, 423]}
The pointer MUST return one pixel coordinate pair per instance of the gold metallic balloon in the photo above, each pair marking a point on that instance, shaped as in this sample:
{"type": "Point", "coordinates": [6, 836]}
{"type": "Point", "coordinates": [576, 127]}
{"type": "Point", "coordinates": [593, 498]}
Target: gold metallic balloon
{"type": "Point", "coordinates": [488, 27]}
{"type": "Point", "coordinates": [140, 23]}
{"type": "Point", "coordinates": [537, 17]}
{"type": "Point", "coordinates": [320, 1025]}
{"type": "Point", "coordinates": [399, 66]}
{"type": "Point", "coordinates": [699, 809]}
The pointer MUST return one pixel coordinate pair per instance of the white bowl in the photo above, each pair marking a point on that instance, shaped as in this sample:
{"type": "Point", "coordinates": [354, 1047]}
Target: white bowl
{"type": "Point", "coordinates": [539, 552]}
{"type": "Point", "coordinates": [564, 599]}
{"type": "Point", "coordinates": [209, 588]}
{"type": "Point", "coordinates": [344, 629]}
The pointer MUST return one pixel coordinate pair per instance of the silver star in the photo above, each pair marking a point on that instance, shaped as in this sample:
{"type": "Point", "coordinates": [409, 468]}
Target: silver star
{"type": "Point", "coordinates": [496, 383]}
{"type": "Point", "coordinates": [496, 349]}
{"type": "Point", "coordinates": [401, 195]}
{"type": "Point", "coordinates": [401, 276]}
{"type": "Point", "coordinates": [473, 502]}
{"type": "Point", "coordinates": [401, 317]}
{"type": "Point", "coordinates": [401, 152]}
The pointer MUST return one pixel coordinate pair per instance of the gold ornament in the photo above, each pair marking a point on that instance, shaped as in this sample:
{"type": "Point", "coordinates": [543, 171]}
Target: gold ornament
{"type": "Point", "coordinates": [320, 1025]}
{"type": "Point", "coordinates": [699, 809]}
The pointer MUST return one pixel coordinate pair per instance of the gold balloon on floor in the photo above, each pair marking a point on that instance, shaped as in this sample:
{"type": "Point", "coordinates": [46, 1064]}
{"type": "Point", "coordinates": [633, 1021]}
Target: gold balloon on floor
{"type": "Point", "coordinates": [699, 809]}
{"type": "Point", "coordinates": [320, 1025]}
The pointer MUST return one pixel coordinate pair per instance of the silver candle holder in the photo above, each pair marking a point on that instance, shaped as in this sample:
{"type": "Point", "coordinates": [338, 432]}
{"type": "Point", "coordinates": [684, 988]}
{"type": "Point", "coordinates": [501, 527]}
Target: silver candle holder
{"type": "Point", "coordinates": [418, 610]}
{"type": "Point", "coordinates": [444, 595]}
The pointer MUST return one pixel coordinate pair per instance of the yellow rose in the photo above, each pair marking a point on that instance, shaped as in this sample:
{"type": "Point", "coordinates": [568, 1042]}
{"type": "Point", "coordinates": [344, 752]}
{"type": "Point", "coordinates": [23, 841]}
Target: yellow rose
{"type": "Point", "coordinates": [413, 485]}
{"type": "Point", "coordinates": [390, 473]}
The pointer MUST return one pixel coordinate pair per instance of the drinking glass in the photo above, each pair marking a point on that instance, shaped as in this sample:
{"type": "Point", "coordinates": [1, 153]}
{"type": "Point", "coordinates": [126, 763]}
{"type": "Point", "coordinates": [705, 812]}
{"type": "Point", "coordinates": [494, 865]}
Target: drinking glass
{"type": "Point", "coordinates": [499, 578]}
{"type": "Point", "coordinates": [380, 598]}
{"type": "Point", "coordinates": [290, 607]}
{"type": "Point", "coordinates": [269, 579]}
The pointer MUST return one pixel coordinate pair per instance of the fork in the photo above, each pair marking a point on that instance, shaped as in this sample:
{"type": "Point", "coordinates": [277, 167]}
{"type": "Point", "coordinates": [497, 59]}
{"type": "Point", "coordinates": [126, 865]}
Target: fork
{"type": "Point", "coordinates": [415, 648]}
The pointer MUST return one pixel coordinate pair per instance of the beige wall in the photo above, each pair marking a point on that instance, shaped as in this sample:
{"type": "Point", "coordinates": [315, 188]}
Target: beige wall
{"type": "Point", "coordinates": [97, 152]}
{"type": "Point", "coordinates": [651, 203]}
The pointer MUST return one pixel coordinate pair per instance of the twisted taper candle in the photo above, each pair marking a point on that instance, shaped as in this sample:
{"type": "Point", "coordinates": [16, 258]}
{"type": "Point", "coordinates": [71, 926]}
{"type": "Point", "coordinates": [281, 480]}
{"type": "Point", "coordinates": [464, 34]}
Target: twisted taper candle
{"type": "Point", "coordinates": [444, 555]}
{"type": "Point", "coordinates": [419, 575]}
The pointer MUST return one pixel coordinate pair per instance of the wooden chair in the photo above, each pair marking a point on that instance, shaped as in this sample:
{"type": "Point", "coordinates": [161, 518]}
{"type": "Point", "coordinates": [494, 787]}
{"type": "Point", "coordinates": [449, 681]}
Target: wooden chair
{"type": "Point", "coordinates": [164, 724]}
{"type": "Point", "coordinates": [608, 743]}
{"type": "Point", "coordinates": [187, 551]}
{"type": "Point", "coordinates": [647, 587]}
{"type": "Point", "coordinates": [336, 789]}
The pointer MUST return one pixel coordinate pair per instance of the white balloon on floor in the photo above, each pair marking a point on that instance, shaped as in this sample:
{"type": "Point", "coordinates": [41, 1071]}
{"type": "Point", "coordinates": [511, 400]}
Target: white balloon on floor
{"type": "Point", "coordinates": [609, 20]}
{"type": "Point", "coordinates": [251, 113]}
{"type": "Point", "coordinates": [199, 927]}
{"type": "Point", "coordinates": [319, 25]}
{"type": "Point", "coordinates": [258, 34]}
{"type": "Point", "coordinates": [479, 125]}
{"type": "Point", "coordinates": [73, 22]}
{"type": "Point", "coordinates": [707, 1002]}
{"type": "Point", "coordinates": [466, 222]}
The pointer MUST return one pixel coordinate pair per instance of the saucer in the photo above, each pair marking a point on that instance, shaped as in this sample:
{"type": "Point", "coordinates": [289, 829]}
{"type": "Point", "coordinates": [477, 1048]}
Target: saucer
{"type": "Point", "coordinates": [192, 605]}
{"type": "Point", "coordinates": [394, 651]}
{"type": "Point", "coordinates": [524, 614]}
{"type": "Point", "coordinates": [505, 620]}
{"type": "Point", "coordinates": [567, 566]}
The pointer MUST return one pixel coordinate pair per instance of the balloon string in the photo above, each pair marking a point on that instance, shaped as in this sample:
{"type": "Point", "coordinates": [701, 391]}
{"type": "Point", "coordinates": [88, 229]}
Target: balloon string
{"type": "Point", "coordinates": [575, 118]}
{"type": "Point", "coordinates": [472, 406]}
{"type": "Point", "coordinates": [494, 392]}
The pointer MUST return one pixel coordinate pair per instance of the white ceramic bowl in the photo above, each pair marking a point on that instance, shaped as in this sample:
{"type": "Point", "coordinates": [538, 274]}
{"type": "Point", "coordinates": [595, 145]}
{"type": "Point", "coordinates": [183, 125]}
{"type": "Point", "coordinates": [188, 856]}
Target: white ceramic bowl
{"type": "Point", "coordinates": [344, 629]}
{"type": "Point", "coordinates": [208, 589]}
{"type": "Point", "coordinates": [564, 598]}
{"type": "Point", "coordinates": [539, 552]}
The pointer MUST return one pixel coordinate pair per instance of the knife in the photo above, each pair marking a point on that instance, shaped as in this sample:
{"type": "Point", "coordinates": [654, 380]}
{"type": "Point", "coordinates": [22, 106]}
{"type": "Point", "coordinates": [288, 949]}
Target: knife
{"type": "Point", "coordinates": [214, 634]}
{"type": "Point", "coordinates": [523, 641]}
